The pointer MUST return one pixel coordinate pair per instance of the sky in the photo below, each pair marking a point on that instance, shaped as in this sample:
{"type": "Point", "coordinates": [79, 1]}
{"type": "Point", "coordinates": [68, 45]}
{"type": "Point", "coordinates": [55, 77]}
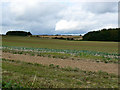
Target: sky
{"type": "Point", "coordinates": [57, 17]}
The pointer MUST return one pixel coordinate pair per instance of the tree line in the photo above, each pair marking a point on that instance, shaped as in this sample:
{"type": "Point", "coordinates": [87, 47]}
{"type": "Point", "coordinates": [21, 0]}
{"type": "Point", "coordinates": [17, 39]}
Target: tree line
{"type": "Point", "coordinates": [103, 35]}
{"type": "Point", "coordinates": [18, 33]}
{"type": "Point", "coordinates": [111, 34]}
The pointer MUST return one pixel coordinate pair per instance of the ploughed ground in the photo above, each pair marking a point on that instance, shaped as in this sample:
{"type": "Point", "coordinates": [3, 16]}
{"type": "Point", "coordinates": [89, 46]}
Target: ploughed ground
{"type": "Point", "coordinates": [81, 64]}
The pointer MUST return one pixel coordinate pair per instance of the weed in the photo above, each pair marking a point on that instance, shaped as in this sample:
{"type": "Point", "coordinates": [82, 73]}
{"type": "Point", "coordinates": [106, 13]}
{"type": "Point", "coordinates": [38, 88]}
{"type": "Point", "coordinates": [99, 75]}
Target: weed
{"type": "Point", "coordinates": [32, 54]}
{"type": "Point", "coordinates": [57, 66]}
{"type": "Point", "coordinates": [10, 84]}
{"type": "Point", "coordinates": [52, 65]}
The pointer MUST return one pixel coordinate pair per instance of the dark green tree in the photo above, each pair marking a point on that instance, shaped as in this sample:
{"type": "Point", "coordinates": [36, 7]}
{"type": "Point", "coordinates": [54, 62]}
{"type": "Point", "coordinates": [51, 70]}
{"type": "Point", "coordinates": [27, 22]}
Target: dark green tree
{"type": "Point", "coordinates": [18, 33]}
{"type": "Point", "coordinates": [111, 34]}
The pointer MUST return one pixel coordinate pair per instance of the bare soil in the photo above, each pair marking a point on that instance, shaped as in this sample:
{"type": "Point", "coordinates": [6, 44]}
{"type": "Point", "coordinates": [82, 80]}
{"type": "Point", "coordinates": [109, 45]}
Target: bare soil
{"type": "Point", "coordinates": [81, 64]}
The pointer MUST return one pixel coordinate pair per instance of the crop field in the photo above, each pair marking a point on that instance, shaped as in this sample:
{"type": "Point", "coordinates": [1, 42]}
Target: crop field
{"type": "Point", "coordinates": [58, 36]}
{"type": "Point", "coordinates": [34, 42]}
{"type": "Point", "coordinates": [57, 63]}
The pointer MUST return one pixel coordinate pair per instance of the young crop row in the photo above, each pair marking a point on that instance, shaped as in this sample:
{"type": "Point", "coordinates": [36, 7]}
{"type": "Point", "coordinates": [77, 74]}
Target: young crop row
{"type": "Point", "coordinates": [67, 51]}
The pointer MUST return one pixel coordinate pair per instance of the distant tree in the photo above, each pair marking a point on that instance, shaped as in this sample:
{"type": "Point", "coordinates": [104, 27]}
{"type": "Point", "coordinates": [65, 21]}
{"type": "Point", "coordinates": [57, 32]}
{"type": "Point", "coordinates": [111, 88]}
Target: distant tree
{"type": "Point", "coordinates": [56, 35]}
{"type": "Point", "coordinates": [18, 33]}
{"type": "Point", "coordinates": [29, 33]}
{"type": "Point", "coordinates": [103, 35]}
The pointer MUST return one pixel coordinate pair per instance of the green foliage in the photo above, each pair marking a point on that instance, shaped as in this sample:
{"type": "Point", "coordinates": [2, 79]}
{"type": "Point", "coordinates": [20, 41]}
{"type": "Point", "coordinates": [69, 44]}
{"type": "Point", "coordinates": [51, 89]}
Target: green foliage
{"type": "Point", "coordinates": [10, 85]}
{"type": "Point", "coordinates": [57, 66]}
{"type": "Point", "coordinates": [71, 69]}
{"type": "Point", "coordinates": [54, 66]}
{"type": "Point", "coordinates": [103, 35]}
{"type": "Point", "coordinates": [62, 38]}
{"type": "Point", "coordinates": [18, 33]}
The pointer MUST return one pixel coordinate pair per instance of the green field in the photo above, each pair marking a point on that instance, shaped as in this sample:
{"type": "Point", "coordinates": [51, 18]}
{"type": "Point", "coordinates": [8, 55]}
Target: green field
{"type": "Point", "coordinates": [18, 74]}
{"type": "Point", "coordinates": [108, 47]}
{"type": "Point", "coordinates": [93, 50]}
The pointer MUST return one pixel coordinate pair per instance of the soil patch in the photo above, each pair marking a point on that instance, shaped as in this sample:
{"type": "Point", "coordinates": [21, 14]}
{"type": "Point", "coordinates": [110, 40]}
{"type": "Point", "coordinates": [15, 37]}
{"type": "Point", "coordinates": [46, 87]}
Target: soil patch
{"type": "Point", "coordinates": [81, 64]}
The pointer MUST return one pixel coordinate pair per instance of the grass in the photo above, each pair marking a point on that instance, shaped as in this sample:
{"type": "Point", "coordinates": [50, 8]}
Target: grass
{"type": "Point", "coordinates": [28, 75]}
{"type": "Point", "coordinates": [34, 42]}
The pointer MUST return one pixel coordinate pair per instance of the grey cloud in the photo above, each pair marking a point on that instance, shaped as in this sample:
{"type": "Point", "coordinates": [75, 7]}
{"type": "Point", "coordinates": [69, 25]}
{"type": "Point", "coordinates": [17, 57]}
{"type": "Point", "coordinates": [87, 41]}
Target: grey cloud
{"type": "Point", "coordinates": [42, 18]}
{"type": "Point", "coordinates": [101, 7]}
{"type": "Point", "coordinates": [41, 12]}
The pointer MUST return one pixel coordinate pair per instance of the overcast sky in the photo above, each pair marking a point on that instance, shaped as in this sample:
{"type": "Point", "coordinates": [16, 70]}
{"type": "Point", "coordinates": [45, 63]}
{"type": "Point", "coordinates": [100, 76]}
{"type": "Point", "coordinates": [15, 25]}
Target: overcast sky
{"type": "Point", "coordinates": [65, 17]}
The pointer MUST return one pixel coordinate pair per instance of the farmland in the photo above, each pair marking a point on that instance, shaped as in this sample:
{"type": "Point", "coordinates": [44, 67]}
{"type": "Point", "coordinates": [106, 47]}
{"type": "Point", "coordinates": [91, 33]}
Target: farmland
{"type": "Point", "coordinates": [34, 42]}
{"type": "Point", "coordinates": [52, 74]}
{"type": "Point", "coordinates": [28, 75]}
{"type": "Point", "coordinates": [59, 36]}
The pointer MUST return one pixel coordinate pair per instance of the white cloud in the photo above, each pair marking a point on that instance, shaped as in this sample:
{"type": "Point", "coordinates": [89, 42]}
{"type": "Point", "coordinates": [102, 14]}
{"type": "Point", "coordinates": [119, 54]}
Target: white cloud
{"type": "Point", "coordinates": [57, 17]}
{"type": "Point", "coordinates": [66, 25]}
{"type": "Point", "coordinates": [79, 19]}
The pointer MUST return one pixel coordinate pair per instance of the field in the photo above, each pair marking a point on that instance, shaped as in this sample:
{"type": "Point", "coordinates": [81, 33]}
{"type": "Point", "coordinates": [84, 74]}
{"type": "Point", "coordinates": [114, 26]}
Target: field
{"type": "Point", "coordinates": [52, 63]}
{"type": "Point", "coordinates": [28, 75]}
{"type": "Point", "coordinates": [59, 36]}
{"type": "Point", "coordinates": [34, 42]}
